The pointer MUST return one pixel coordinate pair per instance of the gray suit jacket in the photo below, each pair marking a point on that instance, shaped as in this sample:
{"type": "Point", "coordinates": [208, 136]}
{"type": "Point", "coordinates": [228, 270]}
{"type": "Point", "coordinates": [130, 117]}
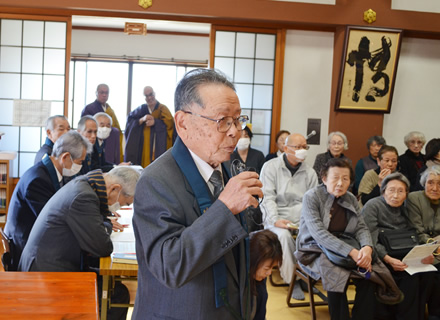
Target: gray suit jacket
{"type": "Point", "coordinates": [176, 248]}
{"type": "Point", "coordinates": [69, 224]}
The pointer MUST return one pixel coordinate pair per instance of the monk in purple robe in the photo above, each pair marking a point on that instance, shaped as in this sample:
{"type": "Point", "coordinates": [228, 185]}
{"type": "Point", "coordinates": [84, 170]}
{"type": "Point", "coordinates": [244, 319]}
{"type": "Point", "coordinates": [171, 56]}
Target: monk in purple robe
{"type": "Point", "coordinates": [149, 131]}
{"type": "Point", "coordinates": [114, 144]}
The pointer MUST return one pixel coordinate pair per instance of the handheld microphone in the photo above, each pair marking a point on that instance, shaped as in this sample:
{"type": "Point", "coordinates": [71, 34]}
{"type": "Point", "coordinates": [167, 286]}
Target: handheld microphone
{"type": "Point", "coordinates": [311, 134]}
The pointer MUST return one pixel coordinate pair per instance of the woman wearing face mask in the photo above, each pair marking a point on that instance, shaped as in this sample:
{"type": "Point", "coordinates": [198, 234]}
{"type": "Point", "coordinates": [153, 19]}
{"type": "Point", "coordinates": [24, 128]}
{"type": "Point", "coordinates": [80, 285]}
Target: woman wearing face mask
{"type": "Point", "coordinates": [336, 144]}
{"type": "Point", "coordinates": [252, 158]}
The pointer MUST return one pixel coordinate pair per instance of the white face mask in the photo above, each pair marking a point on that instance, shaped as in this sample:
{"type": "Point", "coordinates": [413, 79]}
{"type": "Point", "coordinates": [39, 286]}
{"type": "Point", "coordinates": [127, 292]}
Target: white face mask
{"type": "Point", "coordinates": [73, 170]}
{"type": "Point", "coordinates": [115, 206]}
{"type": "Point", "coordinates": [103, 132]}
{"type": "Point", "coordinates": [243, 143]}
{"type": "Point", "coordinates": [301, 154]}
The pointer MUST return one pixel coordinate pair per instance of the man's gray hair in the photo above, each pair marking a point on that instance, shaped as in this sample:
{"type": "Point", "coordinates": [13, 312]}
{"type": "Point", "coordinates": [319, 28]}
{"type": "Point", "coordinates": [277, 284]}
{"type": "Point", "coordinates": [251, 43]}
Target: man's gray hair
{"type": "Point", "coordinates": [414, 135]}
{"type": "Point", "coordinates": [394, 176]}
{"type": "Point", "coordinates": [102, 85]}
{"type": "Point", "coordinates": [50, 123]}
{"type": "Point", "coordinates": [434, 170]}
{"type": "Point", "coordinates": [72, 142]}
{"type": "Point", "coordinates": [187, 90]}
{"type": "Point", "coordinates": [102, 114]}
{"type": "Point", "coordinates": [126, 176]}
{"type": "Point", "coordinates": [337, 133]}
{"type": "Point", "coordinates": [82, 122]}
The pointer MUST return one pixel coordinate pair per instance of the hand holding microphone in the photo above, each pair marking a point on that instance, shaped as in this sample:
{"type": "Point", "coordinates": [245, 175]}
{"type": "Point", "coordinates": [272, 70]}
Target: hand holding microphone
{"type": "Point", "coordinates": [242, 190]}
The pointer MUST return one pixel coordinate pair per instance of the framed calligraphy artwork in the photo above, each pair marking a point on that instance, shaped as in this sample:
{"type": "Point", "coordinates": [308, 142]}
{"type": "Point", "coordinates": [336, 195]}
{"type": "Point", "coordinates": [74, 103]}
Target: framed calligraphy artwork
{"type": "Point", "coordinates": [368, 69]}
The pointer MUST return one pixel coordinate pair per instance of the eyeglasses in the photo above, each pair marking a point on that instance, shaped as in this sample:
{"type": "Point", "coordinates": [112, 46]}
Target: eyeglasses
{"type": "Point", "coordinates": [225, 123]}
{"type": "Point", "coordinates": [399, 192]}
{"type": "Point", "coordinates": [102, 92]}
{"type": "Point", "coordinates": [306, 147]}
{"type": "Point", "coordinates": [416, 142]}
{"type": "Point", "coordinates": [149, 95]}
{"type": "Point", "coordinates": [337, 143]}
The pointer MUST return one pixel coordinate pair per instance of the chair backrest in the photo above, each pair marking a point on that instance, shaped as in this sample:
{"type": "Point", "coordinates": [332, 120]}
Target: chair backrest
{"type": "Point", "coordinates": [6, 248]}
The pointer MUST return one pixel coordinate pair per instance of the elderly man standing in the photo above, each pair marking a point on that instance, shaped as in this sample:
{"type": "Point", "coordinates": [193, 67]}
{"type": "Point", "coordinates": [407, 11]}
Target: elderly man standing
{"type": "Point", "coordinates": [100, 105]}
{"type": "Point", "coordinates": [38, 184]}
{"type": "Point", "coordinates": [149, 131]}
{"type": "Point", "coordinates": [285, 180]}
{"type": "Point", "coordinates": [73, 224]}
{"type": "Point", "coordinates": [56, 126]}
{"type": "Point", "coordinates": [188, 212]}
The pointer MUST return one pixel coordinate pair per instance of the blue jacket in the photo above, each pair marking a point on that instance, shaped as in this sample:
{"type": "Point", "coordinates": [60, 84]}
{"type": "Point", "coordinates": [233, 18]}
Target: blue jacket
{"type": "Point", "coordinates": [37, 185]}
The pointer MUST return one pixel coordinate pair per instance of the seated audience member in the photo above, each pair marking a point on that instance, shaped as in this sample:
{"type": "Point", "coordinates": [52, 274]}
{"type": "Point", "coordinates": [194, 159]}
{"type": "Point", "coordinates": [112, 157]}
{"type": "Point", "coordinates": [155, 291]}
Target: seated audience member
{"type": "Point", "coordinates": [336, 144]}
{"type": "Point", "coordinates": [424, 213]}
{"type": "Point", "coordinates": [56, 126]}
{"type": "Point", "coordinates": [114, 145]}
{"type": "Point", "coordinates": [280, 141]}
{"type": "Point", "coordinates": [327, 210]}
{"type": "Point", "coordinates": [252, 158]}
{"type": "Point", "coordinates": [387, 212]}
{"type": "Point", "coordinates": [38, 184]}
{"type": "Point", "coordinates": [432, 158]}
{"type": "Point", "coordinates": [413, 159]}
{"type": "Point", "coordinates": [369, 188]}
{"type": "Point", "coordinates": [285, 180]}
{"type": "Point", "coordinates": [369, 162]}
{"type": "Point", "coordinates": [149, 131]}
{"type": "Point", "coordinates": [73, 225]}
{"type": "Point", "coordinates": [265, 253]}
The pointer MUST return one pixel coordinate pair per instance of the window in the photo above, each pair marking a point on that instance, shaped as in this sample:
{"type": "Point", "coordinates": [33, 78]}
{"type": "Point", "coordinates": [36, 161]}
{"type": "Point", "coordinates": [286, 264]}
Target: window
{"type": "Point", "coordinates": [126, 81]}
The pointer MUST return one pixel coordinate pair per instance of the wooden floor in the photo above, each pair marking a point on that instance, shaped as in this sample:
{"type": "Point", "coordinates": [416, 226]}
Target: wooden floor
{"type": "Point", "coordinates": [277, 308]}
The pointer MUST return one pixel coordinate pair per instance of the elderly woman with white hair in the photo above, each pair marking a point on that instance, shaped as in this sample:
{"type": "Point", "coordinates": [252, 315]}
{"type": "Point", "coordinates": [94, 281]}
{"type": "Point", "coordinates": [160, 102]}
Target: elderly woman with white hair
{"type": "Point", "coordinates": [385, 213]}
{"type": "Point", "coordinates": [413, 159]}
{"type": "Point", "coordinates": [424, 213]}
{"type": "Point", "coordinates": [337, 143]}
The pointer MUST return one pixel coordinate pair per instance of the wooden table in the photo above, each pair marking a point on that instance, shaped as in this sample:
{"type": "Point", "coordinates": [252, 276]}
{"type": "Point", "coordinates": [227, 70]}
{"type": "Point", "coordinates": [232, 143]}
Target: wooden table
{"type": "Point", "coordinates": [109, 272]}
{"type": "Point", "coordinates": [48, 295]}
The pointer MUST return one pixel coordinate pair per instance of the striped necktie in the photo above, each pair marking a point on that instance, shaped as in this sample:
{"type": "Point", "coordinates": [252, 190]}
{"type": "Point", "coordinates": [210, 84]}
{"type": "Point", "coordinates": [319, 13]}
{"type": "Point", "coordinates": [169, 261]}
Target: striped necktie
{"type": "Point", "coordinates": [216, 180]}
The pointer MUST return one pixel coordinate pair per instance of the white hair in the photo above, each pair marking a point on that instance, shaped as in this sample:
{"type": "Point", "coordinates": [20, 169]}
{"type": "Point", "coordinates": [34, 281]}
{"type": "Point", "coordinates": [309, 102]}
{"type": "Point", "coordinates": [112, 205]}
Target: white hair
{"type": "Point", "coordinates": [126, 176]}
{"type": "Point", "coordinates": [414, 135]}
{"type": "Point", "coordinates": [102, 114]}
{"type": "Point", "coordinates": [337, 133]}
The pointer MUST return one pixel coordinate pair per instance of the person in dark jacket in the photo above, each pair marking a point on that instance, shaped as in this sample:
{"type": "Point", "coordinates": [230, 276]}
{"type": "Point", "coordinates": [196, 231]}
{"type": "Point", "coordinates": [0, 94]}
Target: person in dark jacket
{"type": "Point", "coordinates": [252, 158]}
{"type": "Point", "coordinates": [432, 158]}
{"type": "Point", "coordinates": [38, 184]}
{"type": "Point", "coordinates": [369, 162]}
{"type": "Point", "coordinates": [413, 159]}
{"type": "Point", "coordinates": [337, 143]}
{"type": "Point", "coordinates": [280, 141]}
{"type": "Point", "coordinates": [56, 126]}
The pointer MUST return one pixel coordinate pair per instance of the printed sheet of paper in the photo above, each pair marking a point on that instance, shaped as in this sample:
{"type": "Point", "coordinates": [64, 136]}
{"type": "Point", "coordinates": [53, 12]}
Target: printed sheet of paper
{"type": "Point", "coordinates": [414, 258]}
{"type": "Point", "coordinates": [31, 113]}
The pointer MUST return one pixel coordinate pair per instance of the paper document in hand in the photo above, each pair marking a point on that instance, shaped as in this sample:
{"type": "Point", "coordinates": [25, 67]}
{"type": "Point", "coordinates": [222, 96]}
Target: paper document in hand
{"type": "Point", "coordinates": [414, 258]}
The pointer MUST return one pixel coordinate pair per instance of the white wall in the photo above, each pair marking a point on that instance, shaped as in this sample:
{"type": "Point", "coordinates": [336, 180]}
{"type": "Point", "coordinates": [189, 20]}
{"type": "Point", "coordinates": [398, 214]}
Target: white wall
{"type": "Point", "coordinates": [416, 94]}
{"type": "Point", "coordinates": [151, 46]}
{"type": "Point", "coordinates": [307, 83]}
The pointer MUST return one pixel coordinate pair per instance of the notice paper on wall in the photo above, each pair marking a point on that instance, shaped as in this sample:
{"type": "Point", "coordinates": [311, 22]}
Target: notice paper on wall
{"type": "Point", "coordinates": [31, 113]}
